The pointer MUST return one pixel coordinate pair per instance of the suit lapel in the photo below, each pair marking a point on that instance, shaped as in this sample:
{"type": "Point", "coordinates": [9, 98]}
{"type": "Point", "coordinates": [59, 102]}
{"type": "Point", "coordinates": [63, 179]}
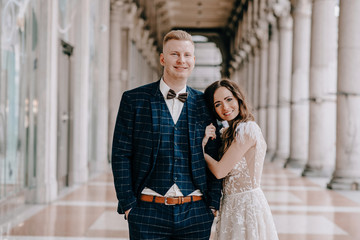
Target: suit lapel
{"type": "Point", "coordinates": [191, 112]}
{"type": "Point", "coordinates": [155, 115]}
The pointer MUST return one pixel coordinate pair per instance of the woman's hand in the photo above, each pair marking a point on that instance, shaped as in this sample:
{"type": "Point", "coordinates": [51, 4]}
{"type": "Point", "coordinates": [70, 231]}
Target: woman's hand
{"type": "Point", "coordinates": [209, 133]}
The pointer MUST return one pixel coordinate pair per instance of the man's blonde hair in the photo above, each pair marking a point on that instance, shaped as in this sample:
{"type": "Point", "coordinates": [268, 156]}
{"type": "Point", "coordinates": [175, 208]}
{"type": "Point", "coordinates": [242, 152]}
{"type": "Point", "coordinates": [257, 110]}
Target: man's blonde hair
{"type": "Point", "coordinates": [177, 35]}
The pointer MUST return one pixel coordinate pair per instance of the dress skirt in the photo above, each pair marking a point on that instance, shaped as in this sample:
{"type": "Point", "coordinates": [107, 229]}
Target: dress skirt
{"type": "Point", "coordinates": [245, 216]}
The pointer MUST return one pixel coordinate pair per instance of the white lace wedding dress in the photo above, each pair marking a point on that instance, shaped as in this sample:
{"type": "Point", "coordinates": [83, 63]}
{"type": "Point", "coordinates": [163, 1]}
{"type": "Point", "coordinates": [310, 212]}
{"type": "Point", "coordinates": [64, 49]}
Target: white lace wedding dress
{"type": "Point", "coordinates": [244, 211]}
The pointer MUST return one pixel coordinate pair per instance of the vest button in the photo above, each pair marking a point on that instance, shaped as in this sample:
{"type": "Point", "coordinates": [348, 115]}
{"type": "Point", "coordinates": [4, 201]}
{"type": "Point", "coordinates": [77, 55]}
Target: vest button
{"type": "Point", "coordinates": [175, 178]}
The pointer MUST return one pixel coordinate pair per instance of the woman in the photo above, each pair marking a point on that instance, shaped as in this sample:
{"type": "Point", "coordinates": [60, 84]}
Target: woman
{"type": "Point", "coordinates": [244, 210]}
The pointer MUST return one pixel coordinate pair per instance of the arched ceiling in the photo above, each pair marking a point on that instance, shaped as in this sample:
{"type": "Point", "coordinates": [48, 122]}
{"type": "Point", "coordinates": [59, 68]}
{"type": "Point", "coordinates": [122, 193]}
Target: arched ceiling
{"type": "Point", "coordinates": [202, 16]}
{"type": "Point", "coordinates": [215, 19]}
{"type": "Point", "coordinates": [194, 13]}
{"type": "Point", "coordinates": [210, 18]}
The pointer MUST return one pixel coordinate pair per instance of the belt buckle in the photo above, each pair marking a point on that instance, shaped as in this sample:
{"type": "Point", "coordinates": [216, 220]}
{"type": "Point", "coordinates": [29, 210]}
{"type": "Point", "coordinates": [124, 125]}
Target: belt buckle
{"type": "Point", "coordinates": [168, 204]}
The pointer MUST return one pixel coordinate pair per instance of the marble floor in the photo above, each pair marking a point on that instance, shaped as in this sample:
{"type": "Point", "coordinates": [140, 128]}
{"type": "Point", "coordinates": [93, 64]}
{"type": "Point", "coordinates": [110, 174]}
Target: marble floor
{"type": "Point", "coordinates": [303, 209]}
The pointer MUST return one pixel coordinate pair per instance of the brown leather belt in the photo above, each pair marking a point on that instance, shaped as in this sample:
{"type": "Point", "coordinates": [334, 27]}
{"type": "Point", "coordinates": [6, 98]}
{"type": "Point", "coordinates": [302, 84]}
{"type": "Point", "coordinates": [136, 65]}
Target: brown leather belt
{"type": "Point", "coordinates": [169, 200]}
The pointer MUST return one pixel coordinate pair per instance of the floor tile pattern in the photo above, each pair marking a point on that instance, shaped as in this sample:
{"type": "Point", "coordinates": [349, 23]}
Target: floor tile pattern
{"type": "Point", "coordinates": [303, 209]}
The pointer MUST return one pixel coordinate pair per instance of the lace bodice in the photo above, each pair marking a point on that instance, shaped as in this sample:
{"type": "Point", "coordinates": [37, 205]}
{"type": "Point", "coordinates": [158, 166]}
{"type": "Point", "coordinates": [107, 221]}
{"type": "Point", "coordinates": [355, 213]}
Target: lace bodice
{"type": "Point", "coordinates": [246, 175]}
{"type": "Point", "coordinates": [244, 210]}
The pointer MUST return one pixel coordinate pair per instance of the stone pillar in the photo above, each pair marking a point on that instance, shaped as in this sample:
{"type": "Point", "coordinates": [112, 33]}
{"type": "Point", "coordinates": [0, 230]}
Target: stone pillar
{"type": "Point", "coordinates": [284, 84]}
{"type": "Point", "coordinates": [46, 155]}
{"type": "Point", "coordinates": [262, 8]}
{"type": "Point", "coordinates": [243, 70]}
{"type": "Point", "coordinates": [299, 133]}
{"type": "Point", "coordinates": [249, 49]}
{"type": "Point", "coordinates": [249, 73]}
{"type": "Point", "coordinates": [79, 169]}
{"type": "Point", "coordinates": [125, 46]}
{"type": "Point", "coordinates": [250, 80]}
{"type": "Point", "coordinates": [236, 68]}
{"type": "Point", "coordinates": [243, 75]}
{"type": "Point", "coordinates": [117, 76]}
{"type": "Point", "coordinates": [103, 89]}
{"type": "Point", "coordinates": [272, 96]}
{"type": "Point", "coordinates": [263, 35]}
{"type": "Point", "coordinates": [239, 76]}
{"type": "Point", "coordinates": [323, 70]}
{"type": "Point", "coordinates": [255, 82]}
{"type": "Point", "coordinates": [347, 170]}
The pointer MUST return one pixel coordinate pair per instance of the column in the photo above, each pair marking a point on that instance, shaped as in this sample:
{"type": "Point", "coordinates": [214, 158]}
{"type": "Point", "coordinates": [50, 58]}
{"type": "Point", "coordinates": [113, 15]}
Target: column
{"type": "Point", "coordinates": [323, 70]}
{"type": "Point", "coordinates": [127, 23]}
{"type": "Point", "coordinates": [272, 96]}
{"type": "Point", "coordinates": [247, 51]}
{"type": "Point", "coordinates": [255, 81]}
{"type": "Point", "coordinates": [46, 155]}
{"type": "Point", "coordinates": [250, 81]}
{"type": "Point", "coordinates": [243, 74]}
{"type": "Point", "coordinates": [284, 84]}
{"type": "Point", "coordinates": [103, 89]}
{"type": "Point", "coordinates": [118, 75]}
{"type": "Point", "coordinates": [347, 169]}
{"type": "Point", "coordinates": [78, 170]}
{"type": "Point", "coordinates": [243, 70]}
{"type": "Point", "coordinates": [263, 35]}
{"type": "Point", "coordinates": [299, 132]}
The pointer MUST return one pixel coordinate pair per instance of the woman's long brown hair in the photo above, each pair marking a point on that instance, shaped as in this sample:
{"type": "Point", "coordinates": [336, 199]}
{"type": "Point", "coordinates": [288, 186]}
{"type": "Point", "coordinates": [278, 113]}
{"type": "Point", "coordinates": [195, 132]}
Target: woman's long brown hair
{"type": "Point", "coordinates": [244, 111]}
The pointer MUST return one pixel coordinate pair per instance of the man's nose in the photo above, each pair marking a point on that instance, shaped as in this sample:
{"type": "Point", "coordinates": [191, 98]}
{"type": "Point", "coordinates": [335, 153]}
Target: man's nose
{"type": "Point", "coordinates": [181, 58]}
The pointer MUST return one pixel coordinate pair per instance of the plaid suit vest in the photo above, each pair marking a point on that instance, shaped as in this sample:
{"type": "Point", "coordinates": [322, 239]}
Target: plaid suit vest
{"type": "Point", "coordinates": [172, 163]}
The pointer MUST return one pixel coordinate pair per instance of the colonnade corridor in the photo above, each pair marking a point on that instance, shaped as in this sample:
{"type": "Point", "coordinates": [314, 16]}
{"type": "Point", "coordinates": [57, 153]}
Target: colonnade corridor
{"type": "Point", "coordinates": [303, 209]}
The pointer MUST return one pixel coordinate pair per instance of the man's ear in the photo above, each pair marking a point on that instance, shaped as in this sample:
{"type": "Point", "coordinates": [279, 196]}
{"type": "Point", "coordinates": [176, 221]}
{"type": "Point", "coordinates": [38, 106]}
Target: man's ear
{"type": "Point", "coordinates": [162, 61]}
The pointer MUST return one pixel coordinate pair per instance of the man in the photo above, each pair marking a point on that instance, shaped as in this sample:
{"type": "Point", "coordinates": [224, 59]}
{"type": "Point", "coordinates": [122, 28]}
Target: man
{"type": "Point", "coordinates": [160, 175]}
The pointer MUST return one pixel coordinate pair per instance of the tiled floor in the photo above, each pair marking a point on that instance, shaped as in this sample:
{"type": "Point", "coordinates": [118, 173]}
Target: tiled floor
{"type": "Point", "coordinates": [303, 209]}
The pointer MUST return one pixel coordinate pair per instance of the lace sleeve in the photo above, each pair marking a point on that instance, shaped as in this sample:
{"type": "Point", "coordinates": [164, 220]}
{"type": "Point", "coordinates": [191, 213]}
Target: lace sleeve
{"type": "Point", "coordinates": [248, 129]}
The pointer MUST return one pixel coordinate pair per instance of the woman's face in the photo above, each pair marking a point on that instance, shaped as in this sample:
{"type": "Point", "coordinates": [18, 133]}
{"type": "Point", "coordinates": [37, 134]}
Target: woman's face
{"type": "Point", "coordinates": [226, 104]}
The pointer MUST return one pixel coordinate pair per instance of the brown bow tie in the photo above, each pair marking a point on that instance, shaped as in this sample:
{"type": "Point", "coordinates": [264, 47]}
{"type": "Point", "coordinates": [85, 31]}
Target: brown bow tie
{"type": "Point", "coordinates": [172, 94]}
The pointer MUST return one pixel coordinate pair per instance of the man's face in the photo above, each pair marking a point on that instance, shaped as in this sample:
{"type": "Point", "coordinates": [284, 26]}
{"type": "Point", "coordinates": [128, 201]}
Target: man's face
{"type": "Point", "coordinates": [178, 59]}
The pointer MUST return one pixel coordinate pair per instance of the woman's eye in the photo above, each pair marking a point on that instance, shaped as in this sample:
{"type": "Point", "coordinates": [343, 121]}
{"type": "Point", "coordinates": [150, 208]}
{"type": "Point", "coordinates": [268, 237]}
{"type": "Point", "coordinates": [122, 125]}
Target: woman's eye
{"type": "Point", "coordinates": [217, 105]}
{"type": "Point", "coordinates": [229, 99]}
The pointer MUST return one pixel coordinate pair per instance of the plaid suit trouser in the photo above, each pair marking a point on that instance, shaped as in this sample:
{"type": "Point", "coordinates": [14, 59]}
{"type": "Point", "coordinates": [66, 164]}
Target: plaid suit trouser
{"type": "Point", "coordinates": [189, 221]}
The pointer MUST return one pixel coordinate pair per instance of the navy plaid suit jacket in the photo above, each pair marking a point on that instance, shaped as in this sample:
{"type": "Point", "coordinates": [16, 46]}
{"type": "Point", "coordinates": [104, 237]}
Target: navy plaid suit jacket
{"type": "Point", "coordinates": [137, 138]}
